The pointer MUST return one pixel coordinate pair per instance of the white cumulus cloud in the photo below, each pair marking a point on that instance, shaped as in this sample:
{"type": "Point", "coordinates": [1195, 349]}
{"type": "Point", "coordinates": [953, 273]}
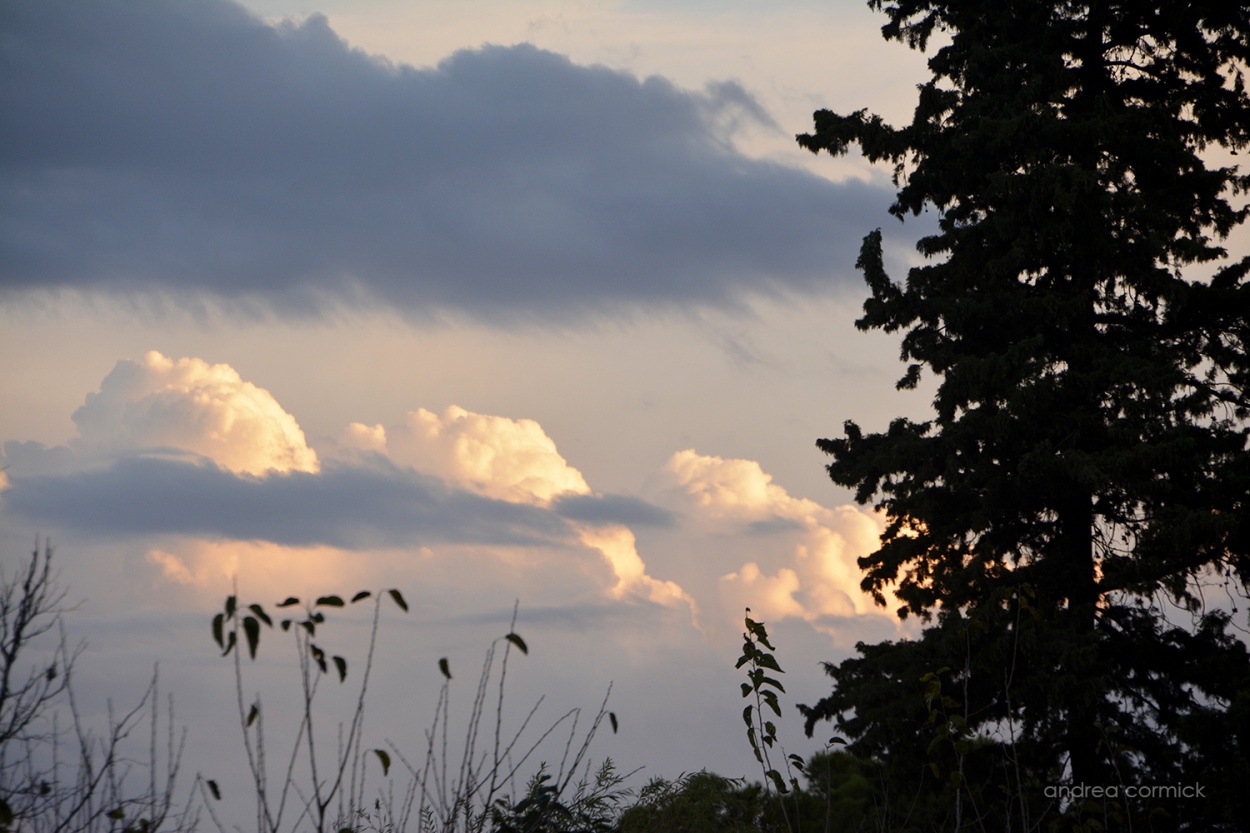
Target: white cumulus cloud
{"type": "Point", "coordinates": [619, 547]}
{"type": "Point", "coordinates": [516, 461]}
{"type": "Point", "coordinates": [808, 568]}
{"type": "Point", "coordinates": [189, 405]}
{"type": "Point", "coordinates": [494, 456]}
{"type": "Point", "coordinates": [738, 489]}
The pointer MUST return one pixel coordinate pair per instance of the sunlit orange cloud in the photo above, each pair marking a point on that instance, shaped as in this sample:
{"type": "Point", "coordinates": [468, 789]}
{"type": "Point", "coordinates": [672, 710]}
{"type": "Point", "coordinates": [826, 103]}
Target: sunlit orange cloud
{"type": "Point", "coordinates": [513, 460]}
{"type": "Point", "coordinates": [494, 456]}
{"type": "Point", "coordinates": [772, 597]}
{"type": "Point", "coordinates": [820, 576]}
{"type": "Point", "coordinates": [738, 489]}
{"type": "Point", "coordinates": [158, 403]}
{"type": "Point", "coordinates": [439, 581]}
{"type": "Point", "coordinates": [619, 547]}
{"type": "Point", "coordinates": [189, 405]}
{"type": "Point", "coordinates": [267, 572]}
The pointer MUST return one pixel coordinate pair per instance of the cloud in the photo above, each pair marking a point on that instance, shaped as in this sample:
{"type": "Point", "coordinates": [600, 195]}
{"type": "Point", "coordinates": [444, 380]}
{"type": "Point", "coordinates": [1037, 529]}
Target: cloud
{"type": "Point", "coordinates": [189, 450]}
{"type": "Point", "coordinates": [738, 489]}
{"type": "Point", "coordinates": [184, 447]}
{"type": "Point", "coordinates": [609, 510]}
{"type": "Point", "coordinates": [495, 456]}
{"type": "Point", "coordinates": [190, 150]}
{"type": "Point", "coordinates": [515, 460]}
{"type": "Point", "coordinates": [184, 451]}
{"type": "Point", "coordinates": [190, 405]}
{"type": "Point", "coordinates": [771, 596]}
{"type": "Point", "coordinates": [200, 572]}
{"type": "Point", "coordinates": [343, 506]}
{"type": "Point", "coordinates": [619, 547]}
{"type": "Point", "coordinates": [811, 569]}
{"type": "Point", "coordinates": [174, 568]}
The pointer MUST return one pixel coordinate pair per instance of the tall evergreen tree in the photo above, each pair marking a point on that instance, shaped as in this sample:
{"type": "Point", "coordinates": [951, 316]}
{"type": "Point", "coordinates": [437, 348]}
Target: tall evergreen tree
{"type": "Point", "coordinates": [1073, 523]}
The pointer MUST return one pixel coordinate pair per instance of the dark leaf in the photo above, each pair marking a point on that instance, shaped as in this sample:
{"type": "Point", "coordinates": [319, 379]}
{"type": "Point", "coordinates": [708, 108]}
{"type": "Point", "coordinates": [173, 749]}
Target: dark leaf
{"type": "Point", "coordinates": [767, 661]}
{"type": "Point", "coordinates": [399, 599]}
{"type": "Point", "coordinates": [319, 656]}
{"type": "Point", "coordinates": [251, 629]}
{"type": "Point", "coordinates": [774, 683]}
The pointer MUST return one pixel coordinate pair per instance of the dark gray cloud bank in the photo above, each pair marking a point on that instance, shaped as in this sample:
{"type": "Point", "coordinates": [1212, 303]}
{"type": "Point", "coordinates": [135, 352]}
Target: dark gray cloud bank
{"type": "Point", "coordinates": [604, 510]}
{"type": "Point", "coordinates": [372, 503]}
{"type": "Point", "coordinates": [342, 506]}
{"type": "Point", "coordinates": [189, 149]}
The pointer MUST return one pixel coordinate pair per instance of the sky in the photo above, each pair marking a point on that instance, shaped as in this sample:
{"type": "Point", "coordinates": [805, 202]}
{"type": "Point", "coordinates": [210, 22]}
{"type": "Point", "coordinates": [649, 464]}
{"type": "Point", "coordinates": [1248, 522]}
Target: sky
{"type": "Point", "coordinates": [494, 303]}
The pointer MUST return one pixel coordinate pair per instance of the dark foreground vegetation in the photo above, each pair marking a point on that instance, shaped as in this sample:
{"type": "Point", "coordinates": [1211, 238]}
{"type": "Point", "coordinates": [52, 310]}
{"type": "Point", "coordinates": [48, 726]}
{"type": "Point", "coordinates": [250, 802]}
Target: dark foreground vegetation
{"type": "Point", "coordinates": [58, 772]}
{"type": "Point", "coordinates": [1072, 526]}
{"type": "Point", "coordinates": [125, 776]}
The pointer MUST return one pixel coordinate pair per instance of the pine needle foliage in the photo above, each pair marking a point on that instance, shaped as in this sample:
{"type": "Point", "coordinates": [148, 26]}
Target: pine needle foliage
{"type": "Point", "coordinates": [1071, 525]}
